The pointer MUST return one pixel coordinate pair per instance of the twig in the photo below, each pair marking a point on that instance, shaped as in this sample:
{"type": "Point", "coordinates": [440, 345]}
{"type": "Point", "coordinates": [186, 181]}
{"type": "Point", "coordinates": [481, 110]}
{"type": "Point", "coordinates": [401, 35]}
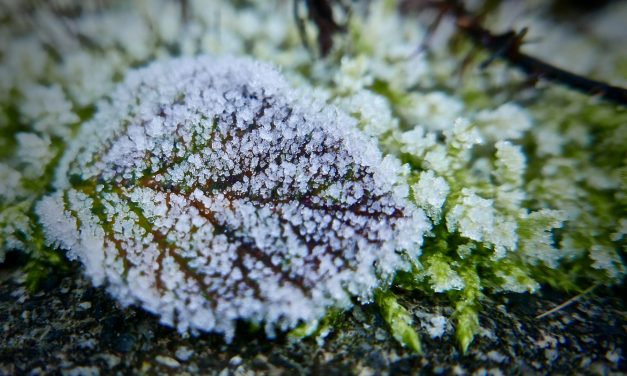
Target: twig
{"type": "Point", "coordinates": [300, 24]}
{"type": "Point", "coordinates": [507, 47]}
{"type": "Point", "coordinates": [321, 13]}
{"type": "Point", "coordinates": [431, 30]}
{"type": "Point", "coordinates": [185, 16]}
{"type": "Point", "coordinates": [568, 302]}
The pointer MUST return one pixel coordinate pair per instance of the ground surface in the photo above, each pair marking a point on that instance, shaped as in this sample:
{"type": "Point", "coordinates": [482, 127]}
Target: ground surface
{"type": "Point", "coordinates": [71, 328]}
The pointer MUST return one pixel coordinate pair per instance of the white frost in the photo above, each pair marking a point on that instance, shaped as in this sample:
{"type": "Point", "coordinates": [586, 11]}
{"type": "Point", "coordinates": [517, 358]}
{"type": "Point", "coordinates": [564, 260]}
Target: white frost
{"type": "Point", "coordinates": [206, 192]}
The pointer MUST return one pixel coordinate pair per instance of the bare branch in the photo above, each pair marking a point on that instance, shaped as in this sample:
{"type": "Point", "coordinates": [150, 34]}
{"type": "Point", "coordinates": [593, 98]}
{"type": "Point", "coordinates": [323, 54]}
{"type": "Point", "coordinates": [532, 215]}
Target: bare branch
{"type": "Point", "coordinates": [506, 46]}
{"type": "Point", "coordinates": [320, 12]}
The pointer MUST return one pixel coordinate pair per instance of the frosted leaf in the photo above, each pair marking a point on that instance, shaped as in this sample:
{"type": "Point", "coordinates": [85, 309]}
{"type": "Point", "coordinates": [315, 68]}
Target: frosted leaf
{"type": "Point", "coordinates": [204, 191]}
{"type": "Point", "coordinates": [437, 160]}
{"type": "Point", "coordinates": [510, 167]}
{"type": "Point", "coordinates": [465, 250]}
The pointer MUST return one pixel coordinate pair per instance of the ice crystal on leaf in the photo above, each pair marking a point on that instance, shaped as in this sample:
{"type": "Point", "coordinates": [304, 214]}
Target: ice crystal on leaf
{"type": "Point", "coordinates": [206, 190]}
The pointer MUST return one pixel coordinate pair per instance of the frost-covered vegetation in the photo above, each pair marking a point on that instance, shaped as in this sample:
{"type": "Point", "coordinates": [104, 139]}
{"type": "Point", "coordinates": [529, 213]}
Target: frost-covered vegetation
{"type": "Point", "coordinates": [205, 191]}
{"type": "Point", "coordinates": [522, 187]}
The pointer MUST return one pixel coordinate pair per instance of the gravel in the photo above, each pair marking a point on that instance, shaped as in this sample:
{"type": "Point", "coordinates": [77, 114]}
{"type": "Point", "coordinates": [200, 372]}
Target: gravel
{"type": "Point", "coordinates": [71, 328]}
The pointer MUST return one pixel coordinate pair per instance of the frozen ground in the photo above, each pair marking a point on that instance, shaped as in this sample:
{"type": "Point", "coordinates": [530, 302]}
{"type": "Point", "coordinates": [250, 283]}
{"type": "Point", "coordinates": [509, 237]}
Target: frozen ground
{"type": "Point", "coordinates": [72, 328]}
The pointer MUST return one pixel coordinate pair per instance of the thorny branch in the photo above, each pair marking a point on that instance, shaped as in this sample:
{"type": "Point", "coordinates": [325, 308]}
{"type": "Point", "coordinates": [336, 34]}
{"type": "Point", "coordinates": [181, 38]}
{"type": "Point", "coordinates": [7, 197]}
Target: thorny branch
{"type": "Point", "coordinates": [505, 46]}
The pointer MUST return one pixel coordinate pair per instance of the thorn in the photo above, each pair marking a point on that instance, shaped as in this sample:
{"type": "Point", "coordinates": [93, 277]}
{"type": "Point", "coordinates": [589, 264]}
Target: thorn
{"type": "Point", "coordinates": [510, 42]}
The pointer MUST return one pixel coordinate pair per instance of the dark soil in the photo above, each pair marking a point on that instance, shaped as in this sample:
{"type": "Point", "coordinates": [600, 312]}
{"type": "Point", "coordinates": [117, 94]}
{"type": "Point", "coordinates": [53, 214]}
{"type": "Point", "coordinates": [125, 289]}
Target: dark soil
{"type": "Point", "coordinates": [71, 328]}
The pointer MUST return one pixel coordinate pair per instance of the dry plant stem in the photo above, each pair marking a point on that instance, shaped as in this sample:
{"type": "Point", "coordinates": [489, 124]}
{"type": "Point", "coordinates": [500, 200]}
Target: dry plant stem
{"type": "Point", "coordinates": [507, 47]}
{"type": "Point", "coordinates": [320, 12]}
{"type": "Point", "coordinates": [431, 30]}
{"type": "Point", "coordinates": [568, 302]}
{"type": "Point", "coordinates": [300, 24]}
{"type": "Point", "coordinates": [185, 16]}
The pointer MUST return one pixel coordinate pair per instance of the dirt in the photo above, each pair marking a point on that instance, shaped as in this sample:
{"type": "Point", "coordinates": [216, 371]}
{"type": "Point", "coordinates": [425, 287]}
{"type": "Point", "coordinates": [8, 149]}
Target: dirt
{"type": "Point", "coordinates": [69, 327]}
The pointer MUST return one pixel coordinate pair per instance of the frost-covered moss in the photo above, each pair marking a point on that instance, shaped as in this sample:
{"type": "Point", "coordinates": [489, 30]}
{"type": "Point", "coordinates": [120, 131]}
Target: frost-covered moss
{"type": "Point", "coordinates": [523, 187]}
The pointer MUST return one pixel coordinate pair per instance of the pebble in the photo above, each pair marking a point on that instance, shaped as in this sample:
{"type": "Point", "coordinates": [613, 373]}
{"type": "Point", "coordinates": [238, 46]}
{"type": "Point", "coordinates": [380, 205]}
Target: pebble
{"type": "Point", "coordinates": [82, 371]}
{"type": "Point", "coordinates": [551, 355]}
{"type": "Point", "coordinates": [167, 361]}
{"type": "Point", "coordinates": [111, 360]}
{"type": "Point", "coordinates": [613, 356]}
{"type": "Point", "coordinates": [84, 350]}
{"type": "Point", "coordinates": [380, 334]}
{"type": "Point", "coordinates": [183, 353]}
{"type": "Point", "coordinates": [496, 356]}
{"type": "Point", "coordinates": [359, 314]}
{"type": "Point", "coordinates": [235, 361]}
{"type": "Point", "coordinates": [124, 343]}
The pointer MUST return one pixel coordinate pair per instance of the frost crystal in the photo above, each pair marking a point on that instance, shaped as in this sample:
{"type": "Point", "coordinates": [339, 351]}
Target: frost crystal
{"type": "Point", "coordinates": [430, 194]}
{"type": "Point", "coordinates": [203, 190]}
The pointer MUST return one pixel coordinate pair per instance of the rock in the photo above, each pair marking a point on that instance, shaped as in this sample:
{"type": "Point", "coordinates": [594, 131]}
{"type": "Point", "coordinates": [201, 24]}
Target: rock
{"type": "Point", "coordinates": [124, 343]}
{"type": "Point", "coordinates": [167, 361]}
{"type": "Point", "coordinates": [183, 353]}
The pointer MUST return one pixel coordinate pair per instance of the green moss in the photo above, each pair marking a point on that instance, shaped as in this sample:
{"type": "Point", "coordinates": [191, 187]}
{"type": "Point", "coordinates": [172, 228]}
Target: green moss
{"type": "Point", "coordinates": [333, 320]}
{"type": "Point", "coordinates": [399, 320]}
{"type": "Point", "coordinates": [43, 261]}
{"type": "Point", "coordinates": [467, 308]}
